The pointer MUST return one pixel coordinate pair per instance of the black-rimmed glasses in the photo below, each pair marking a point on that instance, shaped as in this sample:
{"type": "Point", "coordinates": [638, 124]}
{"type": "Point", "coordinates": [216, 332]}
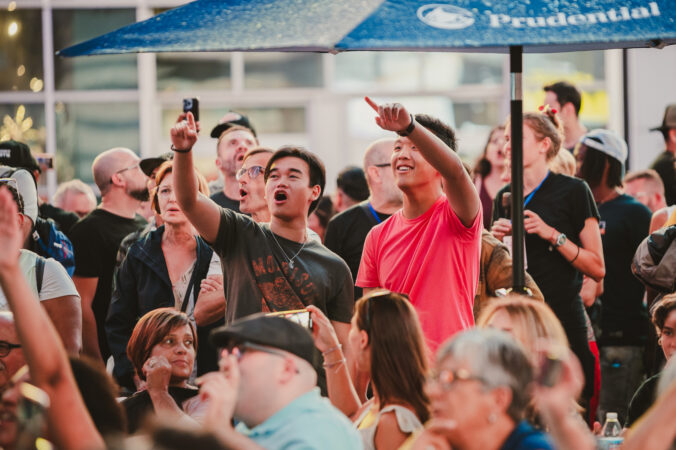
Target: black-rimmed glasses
{"type": "Point", "coordinates": [6, 347]}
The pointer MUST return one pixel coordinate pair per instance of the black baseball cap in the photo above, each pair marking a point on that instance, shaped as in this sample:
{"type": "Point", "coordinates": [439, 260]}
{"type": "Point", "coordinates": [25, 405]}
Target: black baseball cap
{"type": "Point", "coordinates": [229, 120]}
{"type": "Point", "coordinates": [147, 165]}
{"type": "Point", "coordinates": [270, 331]}
{"type": "Point", "coordinates": [17, 154]}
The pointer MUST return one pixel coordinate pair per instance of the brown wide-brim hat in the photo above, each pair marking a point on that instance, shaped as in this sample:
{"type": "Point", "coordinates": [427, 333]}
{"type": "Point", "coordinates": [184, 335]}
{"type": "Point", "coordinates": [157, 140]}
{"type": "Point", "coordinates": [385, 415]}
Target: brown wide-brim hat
{"type": "Point", "coordinates": [669, 120]}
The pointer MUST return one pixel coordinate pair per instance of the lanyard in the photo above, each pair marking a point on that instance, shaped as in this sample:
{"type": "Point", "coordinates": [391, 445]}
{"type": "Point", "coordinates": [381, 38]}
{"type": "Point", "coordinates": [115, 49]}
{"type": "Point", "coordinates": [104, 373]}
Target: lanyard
{"type": "Point", "coordinates": [529, 197]}
{"type": "Point", "coordinates": [374, 213]}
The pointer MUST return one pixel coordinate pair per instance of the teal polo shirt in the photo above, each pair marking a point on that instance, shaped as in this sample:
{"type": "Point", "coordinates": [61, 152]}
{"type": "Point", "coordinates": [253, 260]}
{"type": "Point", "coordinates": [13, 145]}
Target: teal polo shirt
{"type": "Point", "coordinates": [308, 422]}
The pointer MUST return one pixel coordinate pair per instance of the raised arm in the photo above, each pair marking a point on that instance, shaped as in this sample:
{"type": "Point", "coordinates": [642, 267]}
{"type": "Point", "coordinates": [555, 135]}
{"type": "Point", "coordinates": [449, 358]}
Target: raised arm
{"type": "Point", "coordinates": [338, 382]}
{"type": "Point", "coordinates": [70, 425]}
{"type": "Point", "coordinates": [86, 287]}
{"type": "Point", "coordinates": [202, 212]}
{"type": "Point", "coordinates": [458, 186]}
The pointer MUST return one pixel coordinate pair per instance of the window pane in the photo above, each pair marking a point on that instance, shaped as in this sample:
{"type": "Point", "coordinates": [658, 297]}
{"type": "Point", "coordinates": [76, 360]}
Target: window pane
{"type": "Point", "coordinates": [185, 71]}
{"type": "Point", "coordinates": [21, 50]}
{"type": "Point", "coordinates": [414, 71]}
{"type": "Point", "coordinates": [282, 70]}
{"type": "Point", "coordinates": [24, 123]}
{"type": "Point", "coordinates": [94, 72]}
{"type": "Point", "coordinates": [376, 70]}
{"type": "Point", "coordinates": [85, 130]}
{"type": "Point", "coordinates": [586, 70]}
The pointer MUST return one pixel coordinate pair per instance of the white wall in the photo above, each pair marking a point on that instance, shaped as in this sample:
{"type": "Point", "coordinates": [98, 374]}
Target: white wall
{"type": "Point", "coordinates": [652, 86]}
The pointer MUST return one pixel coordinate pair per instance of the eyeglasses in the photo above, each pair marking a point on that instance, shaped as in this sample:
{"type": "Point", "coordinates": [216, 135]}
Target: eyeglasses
{"type": "Point", "coordinates": [244, 347]}
{"type": "Point", "coordinates": [446, 378]}
{"type": "Point", "coordinates": [136, 165]}
{"type": "Point", "coordinates": [6, 347]}
{"type": "Point", "coordinates": [252, 171]}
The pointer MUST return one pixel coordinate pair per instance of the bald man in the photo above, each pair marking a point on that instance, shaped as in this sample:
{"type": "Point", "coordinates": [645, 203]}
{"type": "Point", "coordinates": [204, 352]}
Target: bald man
{"type": "Point", "coordinates": [346, 232]}
{"type": "Point", "coordinates": [11, 355]}
{"type": "Point", "coordinates": [96, 239]}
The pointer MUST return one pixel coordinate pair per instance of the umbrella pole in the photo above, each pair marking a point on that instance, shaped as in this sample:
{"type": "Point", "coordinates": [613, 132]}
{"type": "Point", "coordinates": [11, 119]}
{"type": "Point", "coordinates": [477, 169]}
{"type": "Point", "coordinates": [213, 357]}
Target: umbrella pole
{"type": "Point", "coordinates": [516, 106]}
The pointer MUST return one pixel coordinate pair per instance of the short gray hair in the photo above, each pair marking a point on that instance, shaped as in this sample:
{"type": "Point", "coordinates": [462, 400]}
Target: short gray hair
{"type": "Point", "coordinates": [498, 360]}
{"type": "Point", "coordinates": [77, 186]}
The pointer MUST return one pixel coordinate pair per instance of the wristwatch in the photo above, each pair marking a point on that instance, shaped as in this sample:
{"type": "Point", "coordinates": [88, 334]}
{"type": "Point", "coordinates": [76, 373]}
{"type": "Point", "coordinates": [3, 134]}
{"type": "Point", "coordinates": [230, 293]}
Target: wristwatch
{"type": "Point", "coordinates": [560, 240]}
{"type": "Point", "coordinates": [409, 129]}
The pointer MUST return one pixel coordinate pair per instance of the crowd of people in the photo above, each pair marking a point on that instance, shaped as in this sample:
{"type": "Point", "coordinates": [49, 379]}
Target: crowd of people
{"type": "Point", "coordinates": [256, 311]}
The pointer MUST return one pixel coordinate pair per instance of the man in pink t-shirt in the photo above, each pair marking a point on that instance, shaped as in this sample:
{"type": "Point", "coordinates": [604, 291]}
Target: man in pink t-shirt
{"type": "Point", "coordinates": [430, 249]}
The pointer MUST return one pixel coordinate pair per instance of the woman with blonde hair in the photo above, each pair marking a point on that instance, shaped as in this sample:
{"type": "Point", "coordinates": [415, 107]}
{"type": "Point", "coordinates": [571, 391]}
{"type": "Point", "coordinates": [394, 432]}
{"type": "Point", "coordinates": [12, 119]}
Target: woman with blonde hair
{"type": "Point", "coordinates": [562, 238]}
{"type": "Point", "coordinates": [528, 320]}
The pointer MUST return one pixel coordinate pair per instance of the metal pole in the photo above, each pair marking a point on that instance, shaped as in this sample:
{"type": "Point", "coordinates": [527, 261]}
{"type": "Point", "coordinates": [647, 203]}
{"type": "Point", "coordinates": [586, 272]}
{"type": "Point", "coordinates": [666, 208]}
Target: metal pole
{"type": "Point", "coordinates": [516, 105]}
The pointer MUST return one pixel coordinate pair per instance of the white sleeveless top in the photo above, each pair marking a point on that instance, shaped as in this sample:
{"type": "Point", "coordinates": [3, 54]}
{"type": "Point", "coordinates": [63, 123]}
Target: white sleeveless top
{"type": "Point", "coordinates": [406, 419]}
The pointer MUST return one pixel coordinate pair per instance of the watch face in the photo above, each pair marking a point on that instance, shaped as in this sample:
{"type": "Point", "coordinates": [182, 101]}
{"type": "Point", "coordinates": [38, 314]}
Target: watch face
{"type": "Point", "coordinates": [561, 240]}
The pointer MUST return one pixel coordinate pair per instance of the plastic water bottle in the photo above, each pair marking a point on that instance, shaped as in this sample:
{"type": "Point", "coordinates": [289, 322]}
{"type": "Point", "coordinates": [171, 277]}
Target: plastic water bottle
{"type": "Point", "coordinates": [611, 435]}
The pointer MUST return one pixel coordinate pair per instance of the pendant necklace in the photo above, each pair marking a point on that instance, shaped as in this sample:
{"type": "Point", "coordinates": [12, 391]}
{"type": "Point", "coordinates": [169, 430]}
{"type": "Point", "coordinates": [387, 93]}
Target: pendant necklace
{"type": "Point", "coordinates": [290, 260]}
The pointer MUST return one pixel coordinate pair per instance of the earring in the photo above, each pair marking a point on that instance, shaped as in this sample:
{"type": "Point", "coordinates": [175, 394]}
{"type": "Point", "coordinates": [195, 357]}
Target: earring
{"type": "Point", "coordinates": [492, 418]}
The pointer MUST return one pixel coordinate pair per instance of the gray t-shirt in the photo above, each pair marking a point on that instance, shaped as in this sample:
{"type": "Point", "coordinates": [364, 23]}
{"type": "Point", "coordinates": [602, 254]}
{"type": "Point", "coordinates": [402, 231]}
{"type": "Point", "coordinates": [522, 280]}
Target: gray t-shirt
{"type": "Point", "coordinates": [257, 276]}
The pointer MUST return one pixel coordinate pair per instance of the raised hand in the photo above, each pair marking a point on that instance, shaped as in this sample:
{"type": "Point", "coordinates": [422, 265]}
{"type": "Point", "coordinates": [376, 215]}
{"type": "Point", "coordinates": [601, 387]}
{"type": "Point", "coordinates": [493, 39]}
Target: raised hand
{"type": "Point", "coordinates": [391, 116]}
{"type": "Point", "coordinates": [501, 228]}
{"type": "Point", "coordinates": [184, 132]}
{"type": "Point", "coordinates": [10, 237]}
{"type": "Point", "coordinates": [157, 370]}
{"type": "Point", "coordinates": [533, 224]}
{"type": "Point", "coordinates": [322, 331]}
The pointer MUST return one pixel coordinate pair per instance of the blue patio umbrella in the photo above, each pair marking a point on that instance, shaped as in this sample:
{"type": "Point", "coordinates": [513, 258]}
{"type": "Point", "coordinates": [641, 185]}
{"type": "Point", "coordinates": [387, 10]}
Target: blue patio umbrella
{"type": "Point", "coordinates": [496, 26]}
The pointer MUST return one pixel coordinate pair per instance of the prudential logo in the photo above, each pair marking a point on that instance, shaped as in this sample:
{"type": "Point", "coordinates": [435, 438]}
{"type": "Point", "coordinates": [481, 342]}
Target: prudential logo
{"type": "Point", "coordinates": [448, 17]}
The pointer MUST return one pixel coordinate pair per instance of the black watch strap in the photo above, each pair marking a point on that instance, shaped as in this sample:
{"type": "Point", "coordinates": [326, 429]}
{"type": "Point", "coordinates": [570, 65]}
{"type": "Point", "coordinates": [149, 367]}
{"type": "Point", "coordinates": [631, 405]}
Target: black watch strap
{"type": "Point", "coordinates": [409, 129]}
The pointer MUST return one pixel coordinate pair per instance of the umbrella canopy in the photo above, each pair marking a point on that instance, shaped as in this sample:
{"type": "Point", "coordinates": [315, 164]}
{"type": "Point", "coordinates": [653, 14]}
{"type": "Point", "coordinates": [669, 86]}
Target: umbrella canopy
{"type": "Point", "coordinates": [414, 25]}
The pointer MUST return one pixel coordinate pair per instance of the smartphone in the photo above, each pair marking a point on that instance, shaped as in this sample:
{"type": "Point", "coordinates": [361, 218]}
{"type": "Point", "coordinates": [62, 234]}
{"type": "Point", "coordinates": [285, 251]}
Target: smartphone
{"type": "Point", "coordinates": [192, 105]}
{"type": "Point", "coordinates": [300, 316]}
{"type": "Point", "coordinates": [45, 160]}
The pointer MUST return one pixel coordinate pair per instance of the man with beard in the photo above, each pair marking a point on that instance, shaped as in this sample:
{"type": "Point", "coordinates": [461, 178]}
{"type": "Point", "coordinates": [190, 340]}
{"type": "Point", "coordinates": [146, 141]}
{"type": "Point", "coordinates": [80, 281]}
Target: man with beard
{"type": "Point", "coordinates": [96, 239]}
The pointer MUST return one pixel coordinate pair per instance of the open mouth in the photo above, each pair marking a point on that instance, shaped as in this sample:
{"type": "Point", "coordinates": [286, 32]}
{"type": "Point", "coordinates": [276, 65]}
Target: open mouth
{"type": "Point", "coordinates": [243, 193]}
{"type": "Point", "coordinates": [403, 168]}
{"type": "Point", "coordinates": [280, 196]}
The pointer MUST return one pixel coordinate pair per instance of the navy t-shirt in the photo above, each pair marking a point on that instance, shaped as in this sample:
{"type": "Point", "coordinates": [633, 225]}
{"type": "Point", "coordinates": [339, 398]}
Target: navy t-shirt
{"type": "Point", "coordinates": [624, 319]}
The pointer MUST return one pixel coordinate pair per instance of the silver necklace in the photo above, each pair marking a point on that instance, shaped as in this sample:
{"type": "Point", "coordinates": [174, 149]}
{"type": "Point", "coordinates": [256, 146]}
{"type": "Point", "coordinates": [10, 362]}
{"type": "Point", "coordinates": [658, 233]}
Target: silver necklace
{"type": "Point", "coordinates": [290, 260]}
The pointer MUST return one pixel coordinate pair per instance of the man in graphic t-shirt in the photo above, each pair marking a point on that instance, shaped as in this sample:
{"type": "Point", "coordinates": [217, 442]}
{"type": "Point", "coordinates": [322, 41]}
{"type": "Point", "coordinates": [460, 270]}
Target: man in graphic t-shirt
{"type": "Point", "coordinates": [96, 239]}
{"type": "Point", "coordinates": [430, 249]}
{"type": "Point", "coordinates": [268, 267]}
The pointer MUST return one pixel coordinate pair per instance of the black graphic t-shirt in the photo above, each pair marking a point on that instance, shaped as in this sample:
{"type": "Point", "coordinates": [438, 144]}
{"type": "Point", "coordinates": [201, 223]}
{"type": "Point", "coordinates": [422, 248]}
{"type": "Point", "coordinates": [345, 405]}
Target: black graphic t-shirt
{"type": "Point", "coordinates": [257, 275]}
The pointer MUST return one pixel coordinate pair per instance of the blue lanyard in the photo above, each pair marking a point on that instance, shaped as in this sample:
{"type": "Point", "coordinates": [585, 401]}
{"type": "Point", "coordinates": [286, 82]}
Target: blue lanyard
{"type": "Point", "coordinates": [529, 197]}
{"type": "Point", "coordinates": [374, 213]}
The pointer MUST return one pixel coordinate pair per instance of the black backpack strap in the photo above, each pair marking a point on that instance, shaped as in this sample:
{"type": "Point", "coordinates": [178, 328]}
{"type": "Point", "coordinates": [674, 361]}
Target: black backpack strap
{"type": "Point", "coordinates": [39, 271]}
